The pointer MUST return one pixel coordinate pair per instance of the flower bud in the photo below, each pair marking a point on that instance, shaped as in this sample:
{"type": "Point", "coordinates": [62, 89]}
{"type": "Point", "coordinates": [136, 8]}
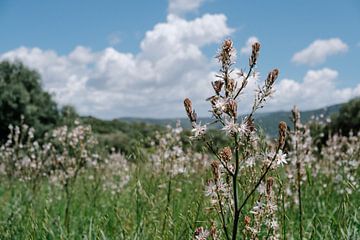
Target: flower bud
{"type": "Point", "coordinates": [247, 220]}
{"type": "Point", "coordinates": [217, 85]}
{"type": "Point", "coordinates": [272, 76]}
{"type": "Point", "coordinates": [226, 154]}
{"type": "Point", "coordinates": [232, 108]}
{"type": "Point", "coordinates": [254, 54]}
{"type": "Point", "coordinates": [269, 185]}
{"type": "Point", "coordinates": [188, 108]}
{"type": "Point", "coordinates": [282, 133]}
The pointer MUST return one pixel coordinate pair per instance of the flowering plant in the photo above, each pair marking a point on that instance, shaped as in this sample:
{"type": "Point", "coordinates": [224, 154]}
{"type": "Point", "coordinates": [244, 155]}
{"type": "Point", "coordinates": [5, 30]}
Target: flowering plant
{"type": "Point", "coordinates": [246, 154]}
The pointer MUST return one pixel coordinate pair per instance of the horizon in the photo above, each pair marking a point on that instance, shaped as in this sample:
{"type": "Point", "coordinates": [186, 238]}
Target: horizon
{"type": "Point", "coordinates": [111, 66]}
{"type": "Point", "coordinates": [207, 117]}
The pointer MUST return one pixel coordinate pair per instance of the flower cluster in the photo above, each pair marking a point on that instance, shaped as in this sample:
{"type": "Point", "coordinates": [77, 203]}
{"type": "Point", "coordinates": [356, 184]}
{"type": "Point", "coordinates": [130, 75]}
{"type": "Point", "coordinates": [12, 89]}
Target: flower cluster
{"type": "Point", "coordinates": [171, 158]}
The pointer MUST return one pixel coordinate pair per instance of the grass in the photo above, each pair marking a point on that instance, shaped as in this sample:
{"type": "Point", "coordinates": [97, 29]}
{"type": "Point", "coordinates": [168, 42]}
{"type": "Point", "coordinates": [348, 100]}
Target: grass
{"type": "Point", "coordinates": [142, 210]}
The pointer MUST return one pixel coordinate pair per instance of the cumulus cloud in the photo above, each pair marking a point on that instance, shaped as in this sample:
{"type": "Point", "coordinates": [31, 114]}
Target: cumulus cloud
{"type": "Point", "coordinates": [318, 51]}
{"type": "Point", "coordinates": [248, 46]}
{"type": "Point", "coordinates": [153, 83]}
{"type": "Point", "coordinates": [180, 7]}
{"type": "Point", "coordinates": [318, 89]}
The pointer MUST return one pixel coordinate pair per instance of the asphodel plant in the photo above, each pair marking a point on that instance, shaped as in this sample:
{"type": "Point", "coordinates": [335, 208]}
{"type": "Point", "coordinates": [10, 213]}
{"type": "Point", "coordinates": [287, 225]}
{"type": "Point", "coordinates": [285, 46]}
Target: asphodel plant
{"type": "Point", "coordinates": [228, 190]}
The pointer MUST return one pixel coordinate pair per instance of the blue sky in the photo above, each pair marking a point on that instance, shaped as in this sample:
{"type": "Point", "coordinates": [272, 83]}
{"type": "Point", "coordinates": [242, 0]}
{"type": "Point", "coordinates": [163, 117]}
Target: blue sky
{"type": "Point", "coordinates": [141, 58]}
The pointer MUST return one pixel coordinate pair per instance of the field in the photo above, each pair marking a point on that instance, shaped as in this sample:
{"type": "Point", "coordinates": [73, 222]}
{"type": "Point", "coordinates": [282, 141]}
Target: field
{"type": "Point", "coordinates": [228, 182]}
{"type": "Point", "coordinates": [154, 201]}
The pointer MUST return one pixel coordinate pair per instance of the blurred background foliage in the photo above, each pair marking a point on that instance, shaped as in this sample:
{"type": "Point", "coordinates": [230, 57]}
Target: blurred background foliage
{"type": "Point", "coordinates": [23, 99]}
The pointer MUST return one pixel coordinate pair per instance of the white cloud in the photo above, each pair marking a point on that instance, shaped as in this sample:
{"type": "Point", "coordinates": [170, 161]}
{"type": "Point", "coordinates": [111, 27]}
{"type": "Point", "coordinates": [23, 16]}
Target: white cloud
{"type": "Point", "coordinates": [179, 7]}
{"type": "Point", "coordinates": [318, 51]}
{"type": "Point", "coordinates": [248, 46]}
{"type": "Point", "coordinates": [318, 89]}
{"type": "Point", "coordinates": [169, 67]}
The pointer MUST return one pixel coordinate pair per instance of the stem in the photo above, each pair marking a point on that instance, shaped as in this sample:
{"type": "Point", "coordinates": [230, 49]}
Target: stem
{"type": "Point", "coordinates": [235, 189]}
{"type": "Point", "coordinates": [244, 82]}
{"type": "Point", "coordinates": [222, 217]}
{"type": "Point", "coordinates": [67, 208]}
{"type": "Point", "coordinates": [167, 204]}
{"type": "Point", "coordinates": [298, 165]}
{"type": "Point", "coordinates": [284, 216]}
{"type": "Point", "coordinates": [299, 197]}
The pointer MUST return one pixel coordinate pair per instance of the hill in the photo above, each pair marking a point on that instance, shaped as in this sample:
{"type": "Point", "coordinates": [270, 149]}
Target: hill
{"type": "Point", "coordinates": [267, 121]}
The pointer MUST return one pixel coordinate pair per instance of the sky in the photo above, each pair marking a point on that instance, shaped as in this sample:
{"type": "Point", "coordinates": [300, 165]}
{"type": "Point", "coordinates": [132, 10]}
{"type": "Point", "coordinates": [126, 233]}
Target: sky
{"type": "Point", "coordinates": [141, 58]}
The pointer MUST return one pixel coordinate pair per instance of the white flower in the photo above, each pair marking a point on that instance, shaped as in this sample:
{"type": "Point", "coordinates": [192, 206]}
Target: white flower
{"type": "Point", "coordinates": [230, 127]}
{"type": "Point", "coordinates": [210, 189]}
{"type": "Point", "coordinates": [220, 105]}
{"type": "Point", "coordinates": [201, 233]}
{"type": "Point", "coordinates": [281, 158]}
{"type": "Point", "coordinates": [243, 128]}
{"type": "Point", "coordinates": [258, 208]}
{"type": "Point", "coordinates": [262, 188]}
{"type": "Point", "coordinates": [271, 206]}
{"type": "Point", "coordinates": [198, 131]}
{"type": "Point", "coordinates": [250, 162]}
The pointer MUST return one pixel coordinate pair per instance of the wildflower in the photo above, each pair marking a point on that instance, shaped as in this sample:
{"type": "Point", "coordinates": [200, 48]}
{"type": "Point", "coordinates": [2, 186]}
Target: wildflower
{"type": "Point", "coordinates": [201, 233]}
{"type": "Point", "coordinates": [258, 208]}
{"type": "Point", "coordinates": [250, 162]}
{"type": "Point", "coordinates": [243, 128]}
{"type": "Point", "coordinates": [198, 130]}
{"type": "Point", "coordinates": [220, 105]}
{"type": "Point", "coordinates": [210, 189]}
{"type": "Point", "coordinates": [281, 158]}
{"type": "Point", "coordinates": [262, 188]}
{"type": "Point", "coordinates": [271, 206]}
{"type": "Point", "coordinates": [230, 127]}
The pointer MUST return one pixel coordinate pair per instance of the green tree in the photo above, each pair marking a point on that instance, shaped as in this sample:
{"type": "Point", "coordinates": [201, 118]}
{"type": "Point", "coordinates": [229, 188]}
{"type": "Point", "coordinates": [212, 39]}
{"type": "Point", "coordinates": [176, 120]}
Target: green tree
{"type": "Point", "coordinates": [348, 118]}
{"type": "Point", "coordinates": [21, 94]}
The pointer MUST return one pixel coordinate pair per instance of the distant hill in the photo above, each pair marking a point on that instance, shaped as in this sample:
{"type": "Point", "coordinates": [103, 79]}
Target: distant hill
{"type": "Point", "coordinates": [267, 121]}
{"type": "Point", "coordinates": [128, 134]}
